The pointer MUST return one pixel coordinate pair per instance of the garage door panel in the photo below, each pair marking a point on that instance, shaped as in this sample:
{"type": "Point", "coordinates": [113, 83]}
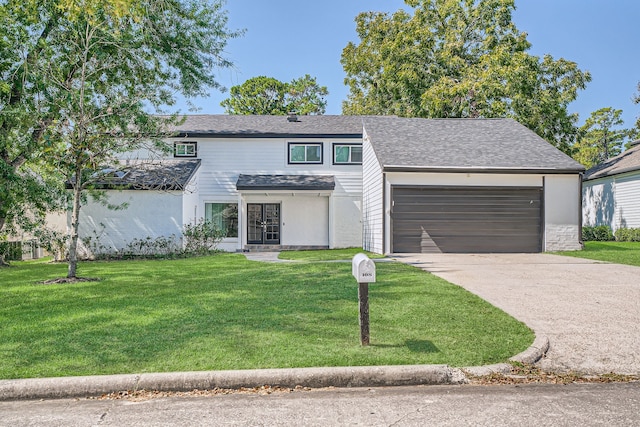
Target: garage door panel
{"type": "Point", "coordinates": [475, 219]}
{"type": "Point", "coordinates": [466, 215]}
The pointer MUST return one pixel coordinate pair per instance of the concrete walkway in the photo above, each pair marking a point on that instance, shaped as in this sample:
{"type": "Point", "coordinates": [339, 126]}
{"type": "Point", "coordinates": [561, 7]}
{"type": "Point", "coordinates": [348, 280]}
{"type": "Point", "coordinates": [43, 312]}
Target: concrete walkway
{"type": "Point", "coordinates": [589, 310]}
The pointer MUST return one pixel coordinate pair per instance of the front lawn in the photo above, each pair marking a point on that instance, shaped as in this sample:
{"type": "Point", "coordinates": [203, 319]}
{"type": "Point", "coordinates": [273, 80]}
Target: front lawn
{"type": "Point", "coordinates": [225, 312]}
{"type": "Point", "coordinates": [616, 252]}
{"type": "Point", "coordinates": [326, 255]}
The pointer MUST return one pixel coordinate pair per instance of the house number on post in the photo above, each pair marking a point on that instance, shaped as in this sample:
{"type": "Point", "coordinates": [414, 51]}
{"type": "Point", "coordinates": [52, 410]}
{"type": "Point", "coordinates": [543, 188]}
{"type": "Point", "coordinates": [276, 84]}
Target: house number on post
{"type": "Point", "coordinates": [364, 270]}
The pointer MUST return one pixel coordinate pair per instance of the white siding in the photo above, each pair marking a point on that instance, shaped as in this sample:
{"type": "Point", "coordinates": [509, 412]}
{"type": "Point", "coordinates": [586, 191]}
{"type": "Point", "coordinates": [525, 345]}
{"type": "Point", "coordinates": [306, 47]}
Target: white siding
{"type": "Point", "coordinates": [598, 203]}
{"type": "Point", "coordinates": [562, 213]}
{"type": "Point", "coordinates": [372, 200]}
{"type": "Point", "coordinates": [346, 222]}
{"type": "Point", "coordinates": [190, 212]}
{"type": "Point", "coordinates": [149, 214]}
{"type": "Point", "coordinates": [305, 221]}
{"type": "Point", "coordinates": [627, 197]}
{"type": "Point", "coordinates": [612, 201]}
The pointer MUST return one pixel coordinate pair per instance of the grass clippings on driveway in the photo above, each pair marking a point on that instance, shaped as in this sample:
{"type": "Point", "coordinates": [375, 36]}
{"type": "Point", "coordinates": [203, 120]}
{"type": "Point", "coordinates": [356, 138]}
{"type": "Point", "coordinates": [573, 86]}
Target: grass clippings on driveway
{"type": "Point", "coordinates": [615, 252]}
{"type": "Point", "coordinates": [225, 312]}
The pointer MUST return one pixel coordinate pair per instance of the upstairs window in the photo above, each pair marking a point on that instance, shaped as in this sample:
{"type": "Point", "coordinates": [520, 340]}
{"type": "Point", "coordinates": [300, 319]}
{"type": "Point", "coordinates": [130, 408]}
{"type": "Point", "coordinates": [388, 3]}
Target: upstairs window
{"type": "Point", "coordinates": [185, 149]}
{"type": "Point", "coordinates": [347, 154]}
{"type": "Point", "coordinates": [305, 153]}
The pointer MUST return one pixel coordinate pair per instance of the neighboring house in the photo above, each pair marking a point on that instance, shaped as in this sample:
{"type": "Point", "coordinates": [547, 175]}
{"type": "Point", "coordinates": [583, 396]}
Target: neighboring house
{"type": "Point", "coordinates": [387, 184]}
{"type": "Point", "coordinates": [611, 191]}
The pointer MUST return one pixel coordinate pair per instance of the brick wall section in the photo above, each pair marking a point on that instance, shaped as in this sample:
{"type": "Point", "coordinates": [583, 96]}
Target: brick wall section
{"type": "Point", "coordinates": [562, 238]}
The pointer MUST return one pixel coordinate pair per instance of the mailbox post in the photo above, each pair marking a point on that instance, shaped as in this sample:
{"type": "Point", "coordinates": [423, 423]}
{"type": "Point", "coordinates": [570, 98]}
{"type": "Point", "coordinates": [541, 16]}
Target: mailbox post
{"type": "Point", "coordinates": [364, 270]}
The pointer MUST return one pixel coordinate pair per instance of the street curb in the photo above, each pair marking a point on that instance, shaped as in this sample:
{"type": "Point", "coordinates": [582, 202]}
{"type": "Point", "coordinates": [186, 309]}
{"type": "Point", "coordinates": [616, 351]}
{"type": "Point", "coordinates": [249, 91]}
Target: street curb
{"type": "Point", "coordinates": [359, 376]}
{"type": "Point", "coordinates": [535, 352]}
{"type": "Point", "coordinates": [356, 376]}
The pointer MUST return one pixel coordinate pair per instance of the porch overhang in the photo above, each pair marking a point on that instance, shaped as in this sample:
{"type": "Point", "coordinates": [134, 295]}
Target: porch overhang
{"type": "Point", "coordinates": [285, 183]}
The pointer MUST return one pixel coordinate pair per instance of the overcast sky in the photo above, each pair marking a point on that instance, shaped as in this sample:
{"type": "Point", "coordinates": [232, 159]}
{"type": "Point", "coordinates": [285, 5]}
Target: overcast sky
{"type": "Point", "coordinates": [288, 39]}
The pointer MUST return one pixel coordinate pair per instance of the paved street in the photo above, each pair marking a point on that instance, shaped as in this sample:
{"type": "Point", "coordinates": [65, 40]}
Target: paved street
{"type": "Point", "coordinates": [527, 405]}
{"type": "Point", "coordinates": [589, 310]}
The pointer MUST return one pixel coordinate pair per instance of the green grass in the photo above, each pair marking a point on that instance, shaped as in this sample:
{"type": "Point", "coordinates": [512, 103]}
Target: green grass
{"type": "Point", "coordinates": [225, 312]}
{"type": "Point", "coordinates": [616, 252]}
{"type": "Point", "coordinates": [326, 255]}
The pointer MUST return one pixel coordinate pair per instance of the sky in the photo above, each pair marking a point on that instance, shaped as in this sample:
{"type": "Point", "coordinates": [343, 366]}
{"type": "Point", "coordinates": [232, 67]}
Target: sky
{"type": "Point", "coordinates": [288, 39]}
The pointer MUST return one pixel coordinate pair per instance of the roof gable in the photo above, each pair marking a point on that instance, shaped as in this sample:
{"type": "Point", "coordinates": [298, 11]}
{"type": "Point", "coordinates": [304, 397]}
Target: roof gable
{"type": "Point", "coordinates": [163, 175]}
{"type": "Point", "coordinates": [462, 144]}
{"type": "Point", "coordinates": [240, 126]}
{"type": "Point", "coordinates": [628, 161]}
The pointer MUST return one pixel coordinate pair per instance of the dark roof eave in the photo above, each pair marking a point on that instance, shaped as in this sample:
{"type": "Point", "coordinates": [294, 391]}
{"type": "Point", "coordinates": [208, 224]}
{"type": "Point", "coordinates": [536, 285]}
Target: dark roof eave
{"type": "Point", "coordinates": [482, 170]}
{"type": "Point", "coordinates": [597, 175]}
{"type": "Point", "coordinates": [284, 188]}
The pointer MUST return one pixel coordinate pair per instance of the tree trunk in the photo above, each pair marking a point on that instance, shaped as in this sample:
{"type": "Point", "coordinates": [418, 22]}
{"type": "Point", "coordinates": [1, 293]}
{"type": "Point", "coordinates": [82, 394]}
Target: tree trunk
{"type": "Point", "coordinates": [75, 222]}
{"type": "Point", "coordinates": [3, 218]}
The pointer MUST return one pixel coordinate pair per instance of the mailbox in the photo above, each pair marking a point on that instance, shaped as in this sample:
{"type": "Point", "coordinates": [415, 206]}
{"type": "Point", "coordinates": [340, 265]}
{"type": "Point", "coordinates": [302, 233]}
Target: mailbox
{"type": "Point", "coordinates": [363, 269]}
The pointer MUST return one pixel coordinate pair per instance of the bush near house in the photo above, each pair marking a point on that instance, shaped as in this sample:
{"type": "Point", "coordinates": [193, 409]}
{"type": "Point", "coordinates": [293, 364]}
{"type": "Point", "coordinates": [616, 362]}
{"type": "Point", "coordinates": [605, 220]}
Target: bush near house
{"type": "Point", "coordinates": [603, 233]}
{"type": "Point", "coordinates": [201, 238]}
{"type": "Point", "coordinates": [628, 234]}
{"type": "Point", "coordinates": [599, 233]}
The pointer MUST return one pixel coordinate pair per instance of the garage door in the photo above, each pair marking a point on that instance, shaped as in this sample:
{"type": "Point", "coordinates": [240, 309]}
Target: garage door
{"type": "Point", "coordinates": [466, 219]}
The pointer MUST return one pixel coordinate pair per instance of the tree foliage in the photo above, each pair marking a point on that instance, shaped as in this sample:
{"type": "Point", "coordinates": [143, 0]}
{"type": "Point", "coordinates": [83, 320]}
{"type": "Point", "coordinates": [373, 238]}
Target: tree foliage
{"type": "Point", "coordinates": [634, 134]}
{"type": "Point", "coordinates": [270, 96]}
{"type": "Point", "coordinates": [83, 80]}
{"type": "Point", "coordinates": [459, 58]}
{"type": "Point", "coordinates": [601, 137]}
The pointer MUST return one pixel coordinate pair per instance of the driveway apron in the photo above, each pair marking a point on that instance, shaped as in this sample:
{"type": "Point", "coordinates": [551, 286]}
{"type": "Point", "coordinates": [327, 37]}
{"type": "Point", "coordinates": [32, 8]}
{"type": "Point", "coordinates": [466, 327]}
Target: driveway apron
{"type": "Point", "coordinates": [589, 310]}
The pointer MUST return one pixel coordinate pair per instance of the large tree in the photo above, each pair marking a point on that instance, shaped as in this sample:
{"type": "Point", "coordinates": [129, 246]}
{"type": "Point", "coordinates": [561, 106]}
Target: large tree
{"type": "Point", "coordinates": [601, 137]}
{"type": "Point", "coordinates": [90, 75]}
{"type": "Point", "coordinates": [634, 134]}
{"type": "Point", "coordinates": [267, 95]}
{"type": "Point", "coordinates": [459, 58]}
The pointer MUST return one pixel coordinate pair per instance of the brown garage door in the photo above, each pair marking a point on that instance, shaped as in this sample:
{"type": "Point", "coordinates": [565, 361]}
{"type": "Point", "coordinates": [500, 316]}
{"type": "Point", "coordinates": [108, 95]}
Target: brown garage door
{"type": "Point", "coordinates": [466, 219]}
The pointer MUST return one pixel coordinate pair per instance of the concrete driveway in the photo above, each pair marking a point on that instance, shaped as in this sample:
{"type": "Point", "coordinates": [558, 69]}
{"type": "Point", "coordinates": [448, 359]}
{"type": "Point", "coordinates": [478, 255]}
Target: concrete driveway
{"type": "Point", "coordinates": [589, 310]}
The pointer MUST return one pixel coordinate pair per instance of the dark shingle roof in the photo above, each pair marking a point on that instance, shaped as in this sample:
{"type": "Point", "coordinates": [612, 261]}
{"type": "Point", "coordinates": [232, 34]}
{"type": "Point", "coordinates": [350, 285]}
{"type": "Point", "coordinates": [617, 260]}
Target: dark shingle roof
{"type": "Point", "coordinates": [165, 175]}
{"type": "Point", "coordinates": [285, 182]}
{"type": "Point", "coordinates": [270, 126]}
{"type": "Point", "coordinates": [628, 161]}
{"type": "Point", "coordinates": [463, 144]}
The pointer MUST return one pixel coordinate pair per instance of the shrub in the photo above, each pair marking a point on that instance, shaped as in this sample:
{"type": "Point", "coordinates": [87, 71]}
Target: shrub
{"type": "Point", "coordinates": [628, 234]}
{"type": "Point", "coordinates": [202, 237]}
{"type": "Point", "coordinates": [600, 233]}
{"type": "Point", "coordinates": [11, 251]}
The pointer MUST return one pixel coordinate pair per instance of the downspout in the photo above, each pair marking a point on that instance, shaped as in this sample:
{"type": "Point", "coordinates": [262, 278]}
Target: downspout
{"type": "Point", "coordinates": [384, 215]}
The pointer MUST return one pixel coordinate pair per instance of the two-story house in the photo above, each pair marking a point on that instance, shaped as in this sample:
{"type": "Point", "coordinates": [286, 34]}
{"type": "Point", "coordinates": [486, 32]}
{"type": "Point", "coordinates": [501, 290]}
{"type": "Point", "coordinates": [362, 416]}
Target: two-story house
{"type": "Point", "coordinates": [387, 184]}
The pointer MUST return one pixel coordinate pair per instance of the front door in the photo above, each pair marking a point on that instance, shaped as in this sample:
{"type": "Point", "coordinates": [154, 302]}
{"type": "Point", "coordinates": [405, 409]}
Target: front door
{"type": "Point", "coordinates": [263, 222]}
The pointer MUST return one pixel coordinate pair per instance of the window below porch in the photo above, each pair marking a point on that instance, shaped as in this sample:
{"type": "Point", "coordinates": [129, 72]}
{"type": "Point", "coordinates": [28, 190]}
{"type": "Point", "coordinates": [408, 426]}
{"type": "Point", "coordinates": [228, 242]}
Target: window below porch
{"type": "Point", "coordinates": [223, 216]}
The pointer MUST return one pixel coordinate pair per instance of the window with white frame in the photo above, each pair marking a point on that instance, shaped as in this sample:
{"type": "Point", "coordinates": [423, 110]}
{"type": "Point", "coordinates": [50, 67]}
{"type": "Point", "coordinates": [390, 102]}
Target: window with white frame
{"type": "Point", "coordinates": [185, 149]}
{"type": "Point", "coordinates": [347, 154]}
{"type": "Point", "coordinates": [224, 216]}
{"type": "Point", "coordinates": [302, 152]}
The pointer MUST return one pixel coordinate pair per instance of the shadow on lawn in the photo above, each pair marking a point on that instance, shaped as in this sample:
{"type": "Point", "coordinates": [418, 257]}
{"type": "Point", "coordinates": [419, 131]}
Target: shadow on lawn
{"type": "Point", "coordinates": [414, 346]}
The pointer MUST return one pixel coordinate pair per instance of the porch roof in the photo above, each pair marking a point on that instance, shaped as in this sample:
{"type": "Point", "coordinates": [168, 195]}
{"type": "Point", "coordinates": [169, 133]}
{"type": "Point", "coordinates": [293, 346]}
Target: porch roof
{"type": "Point", "coordinates": [286, 182]}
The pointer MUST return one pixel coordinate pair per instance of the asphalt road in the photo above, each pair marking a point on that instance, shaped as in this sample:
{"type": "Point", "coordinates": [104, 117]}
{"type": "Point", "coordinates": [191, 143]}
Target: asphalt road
{"type": "Point", "coordinates": [540, 405]}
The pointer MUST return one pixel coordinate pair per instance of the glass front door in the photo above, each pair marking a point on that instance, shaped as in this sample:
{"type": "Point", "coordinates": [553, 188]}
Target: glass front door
{"type": "Point", "coordinates": [263, 222]}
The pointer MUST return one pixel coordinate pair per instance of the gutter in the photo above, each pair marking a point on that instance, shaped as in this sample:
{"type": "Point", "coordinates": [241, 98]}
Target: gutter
{"type": "Point", "coordinates": [479, 169]}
